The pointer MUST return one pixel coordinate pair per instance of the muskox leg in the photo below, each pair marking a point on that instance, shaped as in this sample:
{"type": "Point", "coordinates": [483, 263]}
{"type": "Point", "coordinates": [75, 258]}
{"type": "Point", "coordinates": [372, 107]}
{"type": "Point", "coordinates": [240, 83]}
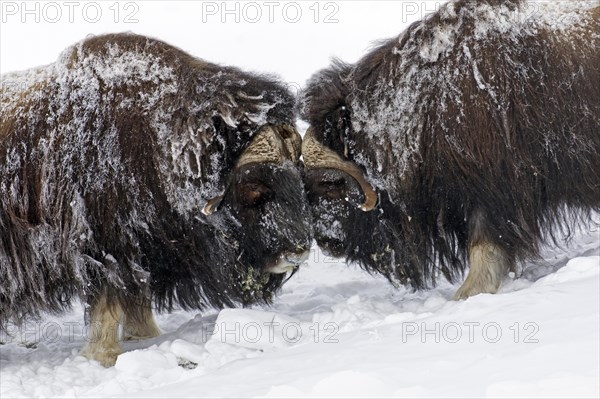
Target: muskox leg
{"type": "Point", "coordinates": [103, 344]}
{"type": "Point", "coordinates": [489, 262]}
{"type": "Point", "coordinates": [139, 322]}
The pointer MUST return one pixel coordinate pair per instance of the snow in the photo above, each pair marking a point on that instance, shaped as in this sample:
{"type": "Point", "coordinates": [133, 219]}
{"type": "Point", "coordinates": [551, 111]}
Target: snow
{"type": "Point", "coordinates": [334, 330]}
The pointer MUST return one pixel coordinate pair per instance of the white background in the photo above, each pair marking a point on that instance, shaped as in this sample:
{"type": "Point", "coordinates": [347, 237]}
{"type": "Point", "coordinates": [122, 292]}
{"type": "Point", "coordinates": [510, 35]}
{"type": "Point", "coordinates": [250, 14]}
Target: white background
{"type": "Point", "coordinates": [269, 36]}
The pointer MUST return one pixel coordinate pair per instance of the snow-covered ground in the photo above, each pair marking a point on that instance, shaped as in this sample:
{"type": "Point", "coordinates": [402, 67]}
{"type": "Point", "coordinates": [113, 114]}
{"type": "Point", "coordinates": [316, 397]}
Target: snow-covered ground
{"type": "Point", "coordinates": [334, 331]}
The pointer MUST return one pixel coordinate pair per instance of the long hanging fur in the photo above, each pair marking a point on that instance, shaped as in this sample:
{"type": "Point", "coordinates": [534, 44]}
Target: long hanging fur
{"type": "Point", "coordinates": [485, 112]}
{"type": "Point", "coordinates": [107, 157]}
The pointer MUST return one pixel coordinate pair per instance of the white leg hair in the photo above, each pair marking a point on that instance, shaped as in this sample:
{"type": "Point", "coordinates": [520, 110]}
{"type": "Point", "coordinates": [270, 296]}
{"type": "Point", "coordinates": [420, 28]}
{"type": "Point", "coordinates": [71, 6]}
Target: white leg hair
{"type": "Point", "coordinates": [489, 264]}
{"type": "Point", "coordinates": [142, 325]}
{"type": "Point", "coordinates": [103, 344]}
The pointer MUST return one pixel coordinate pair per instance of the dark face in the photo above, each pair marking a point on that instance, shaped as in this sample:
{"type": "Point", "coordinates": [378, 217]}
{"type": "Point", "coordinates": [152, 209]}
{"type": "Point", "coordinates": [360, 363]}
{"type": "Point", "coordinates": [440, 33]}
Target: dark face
{"type": "Point", "coordinates": [352, 219]}
{"type": "Point", "coordinates": [334, 197]}
{"type": "Point", "coordinates": [270, 220]}
{"type": "Point", "coordinates": [334, 193]}
{"type": "Point", "coordinates": [343, 229]}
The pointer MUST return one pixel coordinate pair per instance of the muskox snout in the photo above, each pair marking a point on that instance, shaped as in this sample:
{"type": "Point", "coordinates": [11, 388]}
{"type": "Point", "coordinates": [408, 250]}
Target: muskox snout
{"type": "Point", "coordinates": [297, 258]}
{"type": "Point", "coordinates": [288, 261]}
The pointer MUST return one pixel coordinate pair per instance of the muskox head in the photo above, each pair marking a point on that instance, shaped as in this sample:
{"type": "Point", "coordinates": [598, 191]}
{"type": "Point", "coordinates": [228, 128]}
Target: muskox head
{"type": "Point", "coordinates": [341, 197]}
{"type": "Point", "coordinates": [338, 191]}
{"type": "Point", "coordinates": [264, 209]}
{"type": "Point", "coordinates": [361, 187]}
{"type": "Point", "coordinates": [238, 218]}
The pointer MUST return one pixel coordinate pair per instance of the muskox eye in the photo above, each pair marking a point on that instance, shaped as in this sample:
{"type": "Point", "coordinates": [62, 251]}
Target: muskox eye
{"type": "Point", "coordinates": [253, 194]}
{"type": "Point", "coordinates": [334, 190]}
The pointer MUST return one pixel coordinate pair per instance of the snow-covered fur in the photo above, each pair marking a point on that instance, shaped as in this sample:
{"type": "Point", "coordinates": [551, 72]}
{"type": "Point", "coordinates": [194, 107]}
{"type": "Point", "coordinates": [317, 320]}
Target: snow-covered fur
{"type": "Point", "coordinates": [478, 124]}
{"type": "Point", "coordinates": [107, 158]}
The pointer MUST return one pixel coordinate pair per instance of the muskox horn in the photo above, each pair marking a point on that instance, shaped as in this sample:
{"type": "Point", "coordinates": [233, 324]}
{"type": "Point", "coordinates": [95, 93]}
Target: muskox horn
{"type": "Point", "coordinates": [272, 144]}
{"type": "Point", "coordinates": [317, 156]}
{"type": "Point", "coordinates": [292, 142]}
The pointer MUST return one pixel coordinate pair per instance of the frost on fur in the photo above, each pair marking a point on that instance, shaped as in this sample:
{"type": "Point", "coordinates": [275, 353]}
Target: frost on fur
{"type": "Point", "coordinates": [107, 158]}
{"type": "Point", "coordinates": [485, 113]}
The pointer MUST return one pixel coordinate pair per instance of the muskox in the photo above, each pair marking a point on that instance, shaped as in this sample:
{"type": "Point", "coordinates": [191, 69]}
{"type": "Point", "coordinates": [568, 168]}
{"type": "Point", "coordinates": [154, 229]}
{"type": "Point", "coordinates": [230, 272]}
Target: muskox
{"type": "Point", "coordinates": [468, 140]}
{"type": "Point", "coordinates": [133, 174]}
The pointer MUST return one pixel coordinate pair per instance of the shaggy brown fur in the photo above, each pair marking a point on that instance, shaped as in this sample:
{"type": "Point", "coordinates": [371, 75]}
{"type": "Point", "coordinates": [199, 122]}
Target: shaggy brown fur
{"type": "Point", "coordinates": [107, 159]}
{"type": "Point", "coordinates": [480, 128]}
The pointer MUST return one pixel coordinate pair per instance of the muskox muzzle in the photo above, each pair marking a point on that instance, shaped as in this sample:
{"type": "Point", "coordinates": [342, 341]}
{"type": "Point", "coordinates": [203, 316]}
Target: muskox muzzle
{"type": "Point", "coordinates": [288, 261]}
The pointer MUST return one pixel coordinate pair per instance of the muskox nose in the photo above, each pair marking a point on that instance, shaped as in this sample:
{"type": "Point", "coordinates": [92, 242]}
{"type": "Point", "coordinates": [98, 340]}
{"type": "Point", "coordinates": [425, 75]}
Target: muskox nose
{"type": "Point", "coordinates": [297, 258]}
{"type": "Point", "coordinates": [288, 261]}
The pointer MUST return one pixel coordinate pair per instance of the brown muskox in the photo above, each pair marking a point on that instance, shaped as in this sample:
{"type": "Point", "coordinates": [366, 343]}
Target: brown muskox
{"type": "Point", "coordinates": [471, 138]}
{"type": "Point", "coordinates": [133, 174]}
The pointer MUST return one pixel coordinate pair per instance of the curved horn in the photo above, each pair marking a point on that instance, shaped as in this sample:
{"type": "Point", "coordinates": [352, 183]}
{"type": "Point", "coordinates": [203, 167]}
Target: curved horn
{"type": "Point", "coordinates": [272, 144]}
{"type": "Point", "coordinates": [212, 205]}
{"type": "Point", "coordinates": [316, 156]}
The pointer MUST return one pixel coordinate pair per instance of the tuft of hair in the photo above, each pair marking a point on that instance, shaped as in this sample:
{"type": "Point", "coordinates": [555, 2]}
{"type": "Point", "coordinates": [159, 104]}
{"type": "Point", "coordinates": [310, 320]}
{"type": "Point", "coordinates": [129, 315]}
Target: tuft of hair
{"type": "Point", "coordinates": [325, 90]}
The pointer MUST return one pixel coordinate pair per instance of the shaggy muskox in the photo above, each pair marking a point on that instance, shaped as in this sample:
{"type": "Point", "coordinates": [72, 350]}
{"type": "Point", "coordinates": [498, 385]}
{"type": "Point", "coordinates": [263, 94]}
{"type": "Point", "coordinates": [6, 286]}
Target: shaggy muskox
{"type": "Point", "coordinates": [134, 174]}
{"type": "Point", "coordinates": [471, 138]}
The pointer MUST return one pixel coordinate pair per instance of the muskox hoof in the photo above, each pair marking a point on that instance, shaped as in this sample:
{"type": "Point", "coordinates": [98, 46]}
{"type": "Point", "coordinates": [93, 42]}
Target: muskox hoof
{"type": "Point", "coordinates": [129, 336]}
{"type": "Point", "coordinates": [142, 327]}
{"type": "Point", "coordinates": [135, 337]}
{"type": "Point", "coordinates": [489, 264]}
{"type": "Point", "coordinates": [466, 291]}
{"type": "Point", "coordinates": [479, 281]}
{"type": "Point", "coordinates": [106, 357]}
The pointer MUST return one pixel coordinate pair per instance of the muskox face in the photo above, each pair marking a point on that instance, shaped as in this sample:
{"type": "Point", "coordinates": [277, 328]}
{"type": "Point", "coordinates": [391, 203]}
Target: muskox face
{"type": "Point", "coordinates": [341, 199]}
{"type": "Point", "coordinates": [350, 219]}
{"type": "Point", "coordinates": [334, 197]}
{"type": "Point", "coordinates": [269, 201]}
{"type": "Point", "coordinates": [265, 214]}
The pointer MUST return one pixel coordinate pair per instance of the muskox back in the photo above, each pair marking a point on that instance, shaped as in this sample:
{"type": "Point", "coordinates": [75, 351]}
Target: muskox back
{"type": "Point", "coordinates": [131, 173]}
{"type": "Point", "coordinates": [479, 124]}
